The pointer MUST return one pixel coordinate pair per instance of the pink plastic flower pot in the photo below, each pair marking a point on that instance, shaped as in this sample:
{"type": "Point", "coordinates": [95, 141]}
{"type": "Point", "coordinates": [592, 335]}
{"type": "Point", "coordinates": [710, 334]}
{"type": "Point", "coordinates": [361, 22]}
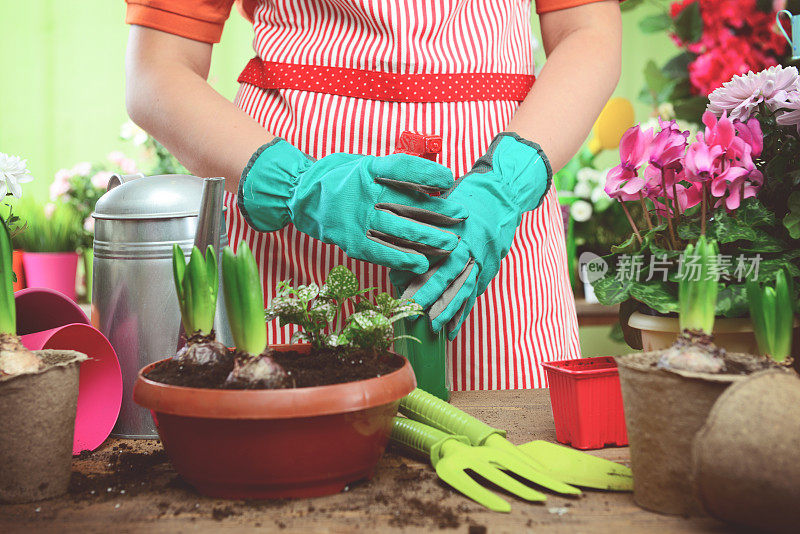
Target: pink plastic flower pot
{"type": "Point", "coordinates": [53, 270]}
{"type": "Point", "coordinates": [587, 402]}
{"type": "Point", "coordinates": [47, 319]}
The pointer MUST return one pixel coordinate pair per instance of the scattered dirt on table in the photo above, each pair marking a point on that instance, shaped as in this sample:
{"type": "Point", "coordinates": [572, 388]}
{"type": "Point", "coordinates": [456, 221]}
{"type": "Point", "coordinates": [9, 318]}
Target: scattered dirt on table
{"type": "Point", "coordinates": [319, 368]}
{"type": "Point", "coordinates": [125, 473]}
{"type": "Point", "coordinates": [481, 529]}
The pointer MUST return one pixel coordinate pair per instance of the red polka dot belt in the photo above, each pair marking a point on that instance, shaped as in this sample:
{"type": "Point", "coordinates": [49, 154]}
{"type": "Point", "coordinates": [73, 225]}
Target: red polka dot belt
{"type": "Point", "coordinates": [372, 85]}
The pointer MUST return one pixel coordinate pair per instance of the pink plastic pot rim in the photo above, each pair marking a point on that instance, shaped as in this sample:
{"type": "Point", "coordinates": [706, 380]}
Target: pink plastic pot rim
{"type": "Point", "coordinates": [51, 254]}
{"type": "Point", "coordinates": [585, 369]}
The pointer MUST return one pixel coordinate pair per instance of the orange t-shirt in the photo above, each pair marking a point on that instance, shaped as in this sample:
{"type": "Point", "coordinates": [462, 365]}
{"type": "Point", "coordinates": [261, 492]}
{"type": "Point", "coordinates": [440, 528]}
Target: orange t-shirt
{"type": "Point", "coordinates": [202, 20]}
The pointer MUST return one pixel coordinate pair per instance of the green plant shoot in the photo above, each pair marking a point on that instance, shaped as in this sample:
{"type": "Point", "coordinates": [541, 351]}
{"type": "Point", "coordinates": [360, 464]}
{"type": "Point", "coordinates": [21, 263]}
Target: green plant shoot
{"type": "Point", "coordinates": [698, 286]}
{"type": "Point", "coordinates": [315, 309]}
{"type": "Point", "coordinates": [197, 285]}
{"type": "Point", "coordinates": [244, 300]}
{"type": "Point", "coordinates": [772, 315]}
{"type": "Point", "coordinates": [8, 309]}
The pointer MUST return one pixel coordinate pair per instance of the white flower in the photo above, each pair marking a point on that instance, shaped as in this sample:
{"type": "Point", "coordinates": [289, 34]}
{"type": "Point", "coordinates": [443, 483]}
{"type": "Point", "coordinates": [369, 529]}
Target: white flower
{"type": "Point", "coordinates": [131, 132]}
{"type": "Point", "coordinates": [791, 115]}
{"type": "Point", "coordinates": [582, 189]}
{"type": "Point", "coordinates": [88, 224]}
{"type": "Point", "coordinates": [13, 173]}
{"type": "Point", "coordinates": [742, 94]}
{"type": "Point", "coordinates": [581, 211]}
{"type": "Point", "coordinates": [588, 174]}
{"type": "Point", "coordinates": [82, 169]}
{"type": "Point", "coordinates": [116, 157]}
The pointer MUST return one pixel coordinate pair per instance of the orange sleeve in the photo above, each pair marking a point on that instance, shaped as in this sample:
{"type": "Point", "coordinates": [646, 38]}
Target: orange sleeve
{"type": "Point", "coordinates": [201, 20]}
{"type": "Point", "coordinates": [544, 6]}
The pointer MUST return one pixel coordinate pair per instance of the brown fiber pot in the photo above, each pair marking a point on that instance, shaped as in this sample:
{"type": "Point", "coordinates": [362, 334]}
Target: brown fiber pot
{"type": "Point", "coordinates": [747, 456]}
{"type": "Point", "coordinates": [663, 412]}
{"type": "Point", "coordinates": [275, 443]}
{"type": "Point", "coordinates": [37, 422]}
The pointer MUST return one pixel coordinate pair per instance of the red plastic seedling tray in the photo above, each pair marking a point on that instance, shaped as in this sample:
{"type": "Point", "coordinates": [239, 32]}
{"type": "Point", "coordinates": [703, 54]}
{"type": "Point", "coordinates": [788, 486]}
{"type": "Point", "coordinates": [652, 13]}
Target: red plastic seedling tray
{"type": "Point", "coordinates": [587, 402]}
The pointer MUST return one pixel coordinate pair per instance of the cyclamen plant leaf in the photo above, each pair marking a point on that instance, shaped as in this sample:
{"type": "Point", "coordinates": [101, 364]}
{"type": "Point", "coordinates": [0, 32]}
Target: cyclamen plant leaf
{"type": "Point", "coordinates": [792, 219]}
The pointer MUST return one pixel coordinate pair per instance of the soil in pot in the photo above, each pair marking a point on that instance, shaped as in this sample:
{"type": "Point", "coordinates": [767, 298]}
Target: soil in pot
{"type": "Point", "coordinates": [305, 369]}
{"type": "Point", "coordinates": [664, 409]}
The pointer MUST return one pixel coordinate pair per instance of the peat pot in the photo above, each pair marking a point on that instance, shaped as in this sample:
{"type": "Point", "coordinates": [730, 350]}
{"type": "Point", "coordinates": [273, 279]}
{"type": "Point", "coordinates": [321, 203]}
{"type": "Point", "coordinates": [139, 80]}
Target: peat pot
{"type": "Point", "coordinates": [275, 443]}
{"type": "Point", "coordinates": [37, 422]}
{"type": "Point", "coordinates": [663, 412]}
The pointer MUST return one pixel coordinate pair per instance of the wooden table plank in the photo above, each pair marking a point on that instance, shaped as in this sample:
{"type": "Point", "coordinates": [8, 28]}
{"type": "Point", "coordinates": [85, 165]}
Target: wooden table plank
{"type": "Point", "coordinates": [404, 495]}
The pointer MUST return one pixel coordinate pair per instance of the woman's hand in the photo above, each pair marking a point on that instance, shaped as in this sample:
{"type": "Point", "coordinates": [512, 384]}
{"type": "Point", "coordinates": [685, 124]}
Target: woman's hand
{"type": "Point", "coordinates": [376, 209]}
{"type": "Point", "coordinates": [583, 64]}
{"type": "Point", "coordinates": [167, 94]}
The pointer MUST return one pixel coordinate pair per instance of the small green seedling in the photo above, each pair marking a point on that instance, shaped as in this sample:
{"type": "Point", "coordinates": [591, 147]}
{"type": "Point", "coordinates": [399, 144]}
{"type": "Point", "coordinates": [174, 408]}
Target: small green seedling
{"type": "Point", "coordinates": [697, 300]}
{"type": "Point", "coordinates": [197, 285]}
{"type": "Point", "coordinates": [244, 302]}
{"type": "Point", "coordinates": [772, 315]}
{"type": "Point", "coordinates": [316, 310]}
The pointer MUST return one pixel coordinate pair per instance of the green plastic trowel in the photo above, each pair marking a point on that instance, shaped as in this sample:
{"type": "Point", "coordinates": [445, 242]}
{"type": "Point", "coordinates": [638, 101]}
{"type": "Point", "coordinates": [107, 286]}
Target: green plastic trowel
{"type": "Point", "coordinates": [561, 463]}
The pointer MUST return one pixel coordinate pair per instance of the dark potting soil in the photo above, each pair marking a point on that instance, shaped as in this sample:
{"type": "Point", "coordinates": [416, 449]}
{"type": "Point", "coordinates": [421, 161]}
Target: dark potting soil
{"type": "Point", "coordinates": [317, 368]}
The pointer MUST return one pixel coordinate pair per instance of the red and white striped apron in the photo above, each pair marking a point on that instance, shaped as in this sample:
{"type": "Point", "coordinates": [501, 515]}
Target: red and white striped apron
{"type": "Point", "coordinates": [527, 315]}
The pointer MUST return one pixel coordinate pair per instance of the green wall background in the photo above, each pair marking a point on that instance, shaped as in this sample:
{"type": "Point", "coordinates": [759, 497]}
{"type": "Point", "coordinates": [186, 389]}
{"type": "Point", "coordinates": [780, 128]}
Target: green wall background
{"type": "Point", "coordinates": [62, 81]}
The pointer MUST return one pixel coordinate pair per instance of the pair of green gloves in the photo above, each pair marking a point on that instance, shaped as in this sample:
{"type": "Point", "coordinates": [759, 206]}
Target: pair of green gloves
{"type": "Point", "coordinates": [443, 250]}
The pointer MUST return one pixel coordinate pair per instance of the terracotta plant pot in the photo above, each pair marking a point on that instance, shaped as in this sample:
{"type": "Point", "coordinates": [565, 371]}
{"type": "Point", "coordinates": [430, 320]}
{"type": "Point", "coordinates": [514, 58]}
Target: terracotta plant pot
{"type": "Point", "coordinates": [282, 443]}
{"type": "Point", "coordinates": [36, 429]}
{"type": "Point", "coordinates": [663, 412]}
{"type": "Point", "coordinates": [53, 270]}
{"type": "Point", "coordinates": [19, 270]}
{"type": "Point", "coordinates": [746, 457]}
{"type": "Point", "coordinates": [733, 335]}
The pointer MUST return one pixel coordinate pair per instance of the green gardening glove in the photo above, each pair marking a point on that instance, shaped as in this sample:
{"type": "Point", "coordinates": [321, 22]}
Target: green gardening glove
{"type": "Point", "coordinates": [510, 179]}
{"type": "Point", "coordinates": [376, 209]}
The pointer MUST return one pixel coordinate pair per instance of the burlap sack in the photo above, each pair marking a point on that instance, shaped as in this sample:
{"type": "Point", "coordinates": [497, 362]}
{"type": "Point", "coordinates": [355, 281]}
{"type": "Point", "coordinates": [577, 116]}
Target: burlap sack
{"type": "Point", "coordinates": [37, 423]}
{"type": "Point", "coordinates": [747, 456]}
{"type": "Point", "coordinates": [663, 412]}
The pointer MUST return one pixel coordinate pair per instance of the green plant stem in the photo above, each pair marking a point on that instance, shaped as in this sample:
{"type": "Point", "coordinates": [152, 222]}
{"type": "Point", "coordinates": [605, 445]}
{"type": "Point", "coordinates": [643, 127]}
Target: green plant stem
{"type": "Point", "coordinates": [703, 203]}
{"type": "Point", "coordinates": [630, 220]}
{"type": "Point", "coordinates": [8, 309]}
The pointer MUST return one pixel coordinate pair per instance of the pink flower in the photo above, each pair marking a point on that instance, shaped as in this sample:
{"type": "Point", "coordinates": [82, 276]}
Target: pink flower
{"type": "Point", "coordinates": [737, 182]}
{"type": "Point", "coordinates": [667, 148]}
{"type": "Point", "coordinates": [689, 197]}
{"type": "Point", "coordinates": [100, 179]}
{"type": "Point", "coordinates": [623, 181]}
{"type": "Point", "coordinates": [60, 185]}
{"type": "Point", "coordinates": [82, 169]}
{"type": "Point", "coordinates": [742, 94]}
{"type": "Point", "coordinates": [702, 161]}
{"type": "Point", "coordinates": [750, 133]}
{"type": "Point", "coordinates": [88, 224]}
{"type": "Point", "coordinates": [116, 157]}
{"type": "Point", "coordinates": [128, 166]}
{"type": "Point", "coordinates": [49, 209]}
{"type": "Point", "coordinates": [790, 116]}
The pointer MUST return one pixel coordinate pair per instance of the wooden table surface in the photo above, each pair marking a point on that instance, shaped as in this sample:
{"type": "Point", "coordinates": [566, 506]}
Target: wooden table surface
{"type": "Point", "coordinates": [129, 486]}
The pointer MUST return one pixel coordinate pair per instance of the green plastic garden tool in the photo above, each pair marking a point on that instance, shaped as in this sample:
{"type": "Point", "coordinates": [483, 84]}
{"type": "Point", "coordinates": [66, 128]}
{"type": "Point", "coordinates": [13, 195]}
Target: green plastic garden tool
{"type": "Point", "coordinates": [452, 456]}
{"type": "Point", "coordinates": [553, 462]}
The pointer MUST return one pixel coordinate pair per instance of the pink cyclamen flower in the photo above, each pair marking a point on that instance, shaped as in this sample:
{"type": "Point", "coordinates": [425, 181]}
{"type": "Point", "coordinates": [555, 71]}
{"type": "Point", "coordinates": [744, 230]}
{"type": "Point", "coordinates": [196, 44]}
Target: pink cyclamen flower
{"type": "Point", "coordinates": [750, 133]}
{"type": "Point", "coordinates": [689, 197]}
{"type": "Point", "coordinates": [702, 161]}
{"type": "Point", "coordinates": [623, 181]}
{"type": "Point", "coordinates": [738, 182]}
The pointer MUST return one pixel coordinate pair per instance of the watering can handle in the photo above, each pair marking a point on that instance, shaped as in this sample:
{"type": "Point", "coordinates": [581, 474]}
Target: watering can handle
{"type": "Point", "coordinates": [780, 25]}
{"type": "Point", "coordinates": [118, 179]}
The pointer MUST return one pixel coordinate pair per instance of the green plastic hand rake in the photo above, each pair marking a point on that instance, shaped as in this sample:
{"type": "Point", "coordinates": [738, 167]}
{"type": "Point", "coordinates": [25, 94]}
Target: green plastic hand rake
{"type": "Point", "coordinates": [552, 462]}
{"type": "Point", "coordinates": [452, 456]}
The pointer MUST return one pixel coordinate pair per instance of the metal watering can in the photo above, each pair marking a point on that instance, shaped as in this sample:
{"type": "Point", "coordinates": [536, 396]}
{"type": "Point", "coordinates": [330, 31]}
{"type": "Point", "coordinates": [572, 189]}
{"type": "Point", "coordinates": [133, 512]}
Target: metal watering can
{"type": "Point", "coordinates": [133, 297]}
{"type": "Point", "coordinates": [794, 40]}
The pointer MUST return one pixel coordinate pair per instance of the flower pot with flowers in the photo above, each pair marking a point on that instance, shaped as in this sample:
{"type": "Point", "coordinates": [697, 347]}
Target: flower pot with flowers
{"type": "Point", "coordinates": [667, 394]}
{"type": "Point", "coordinates": [295, 420]}
{"type": "Point", "coordinates": [738, 182]}
{"type": "Point", "coordinates": [49, 242]}
{"type": "Point", "coordinates": [36, 429]}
